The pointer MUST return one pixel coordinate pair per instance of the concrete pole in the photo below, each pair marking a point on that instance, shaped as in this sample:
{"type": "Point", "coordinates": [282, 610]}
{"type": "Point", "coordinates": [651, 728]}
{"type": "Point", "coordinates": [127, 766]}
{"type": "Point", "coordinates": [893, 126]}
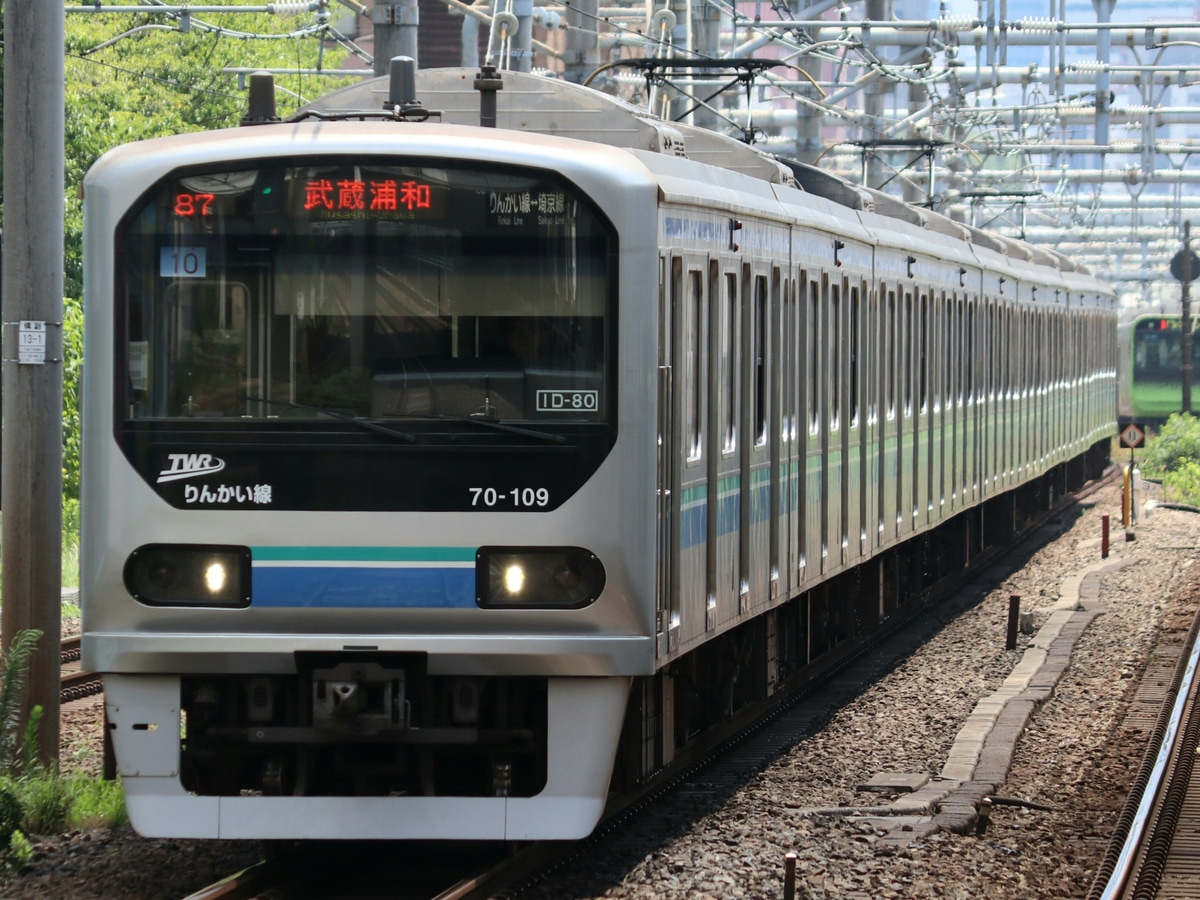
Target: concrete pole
{"type": "Point", "coordinates": [874, 106]}
{"type": "Point", "coordinates": [1104, 11]}
{"type": "Point", "coordinates": [581, 57]}
{"type": "Point", "coordinates": [396, 23]}
{"type": "Point", "coordinates": [32, 285]}
{"type": "Point", "coordinates": [1185, 321]}
{"type": "Point", "coordinates": [520, 57]}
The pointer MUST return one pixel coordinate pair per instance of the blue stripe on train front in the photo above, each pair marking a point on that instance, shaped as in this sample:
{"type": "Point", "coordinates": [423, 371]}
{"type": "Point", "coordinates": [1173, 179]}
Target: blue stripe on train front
{"type": "Point", "coordinates": [363, 577]}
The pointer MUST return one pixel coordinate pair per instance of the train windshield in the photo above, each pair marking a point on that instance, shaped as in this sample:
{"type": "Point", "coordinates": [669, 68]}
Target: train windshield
{"type": "Point", "coordinates": [1158, 350]}
{"type": "Point", "coordinates": [368, 289]}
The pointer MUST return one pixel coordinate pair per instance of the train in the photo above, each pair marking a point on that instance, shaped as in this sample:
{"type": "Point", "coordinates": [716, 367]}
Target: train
{"type": "Point", "coordinates": [1150, 380]}
{"type": "Point", "coordinates": [456, 455]}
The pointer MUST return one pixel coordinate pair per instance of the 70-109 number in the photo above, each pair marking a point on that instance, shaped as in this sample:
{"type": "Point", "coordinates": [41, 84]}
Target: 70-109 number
{"type": "Point", "coordinates": [517, 497]}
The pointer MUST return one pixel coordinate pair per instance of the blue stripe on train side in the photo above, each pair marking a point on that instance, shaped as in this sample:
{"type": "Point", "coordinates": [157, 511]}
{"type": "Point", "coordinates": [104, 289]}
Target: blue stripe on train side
{"type": "Point", "coordinates": [363, 577]}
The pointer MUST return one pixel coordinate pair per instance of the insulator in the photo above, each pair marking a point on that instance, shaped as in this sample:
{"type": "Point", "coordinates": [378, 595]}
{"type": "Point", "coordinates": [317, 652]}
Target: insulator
{"type": "Point", "coordinates": [547, 18]}
{"type": "Point", "coordinates": [1038, 25]}
{"type": "Point", "coordinates": [290, 8]}
{"type": "Point", "coordinates": [506, 22]}
{"type": "Point", "coordinates": [662, 21]}
{"type": "Point", "coordinates": [950, 26]}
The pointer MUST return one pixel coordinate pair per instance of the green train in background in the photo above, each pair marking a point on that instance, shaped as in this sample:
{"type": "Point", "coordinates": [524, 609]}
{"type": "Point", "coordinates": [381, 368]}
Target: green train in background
{"type": "Point", "coordinates": [1150, 383]}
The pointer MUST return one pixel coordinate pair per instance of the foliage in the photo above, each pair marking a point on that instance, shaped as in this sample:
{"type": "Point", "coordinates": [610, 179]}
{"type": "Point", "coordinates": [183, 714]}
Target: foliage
{"type": "Point", "coordinates": [13, 671]}
{"type": "Point", "coordinates": [48, 802]}
{"type": "Point", "coordinates": [20, 851]}
{"type": "Point", "coordinates": [95, 802]}
{"type": "Point", "coordinates": [72, 401]}
{"type": "Point", "coordinates": [35, 798]}
{"type": "Point", "coordinates": [1176, 444]}
{"type": "Point", "coordinates": [1182, 485]}
{"type": "Point", "coordinates": [45, 801]}
{"type": "Point", "coordinates": [1173, 455]}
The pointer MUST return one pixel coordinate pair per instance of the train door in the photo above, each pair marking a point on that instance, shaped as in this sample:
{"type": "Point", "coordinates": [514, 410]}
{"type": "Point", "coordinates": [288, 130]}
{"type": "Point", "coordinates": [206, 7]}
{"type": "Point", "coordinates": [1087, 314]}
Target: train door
{"type": "Point", "coordinates": [667, 527]}
{"type": "Point", "coordinates": [944, 406]}
{"type": "Point", "coordinates": [958, 351]}
{"type": "Point", "coordinates": [949, 403]}
{"type": "Point", "coordinates": [970, 370]}
{"type": "Point", "coordinates": [989, 437]}
{"type": "Point", "coordinates": [1022, 423]}
{"type": "Point", "coordinates": [1008, 407]}
{"type": "Point", "coordinates": [724, 494]}
{"type": "Point", "coordinates": [905, 418]}
{"type": "Point", "coordinates": [933, 370]}
{"type": "Point", "coordinates": [1030, 387]}
{"type": "Point", "coordinates": [757, 492]}
{"type": "Point", "coordinates": [888, 433]}
{"type": "Point", "coordinates": [870, 325]}
{"type": "Point", "coordinates": [920, 405]}
{"type": "Point", "coordinates": [688, 503]}
{"type": "Point", "coordinates": [1041, 393]}
{"type": "Point", "coordinates": [856, 419]}
{"type": "Point", "coordinates": [827, 409]}
{"type": "Point", "coordinates": [811, 472]}
{"type": "Point", "coordinates": [845, 421]}
{"type": "Point", "coordinates": [776, 438]}
{"type": "Point", "coordinates": [789, 356]}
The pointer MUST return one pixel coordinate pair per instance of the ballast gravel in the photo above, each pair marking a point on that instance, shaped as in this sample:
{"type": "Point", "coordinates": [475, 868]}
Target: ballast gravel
{"type": "Point", "coordinates": [1077, 756]}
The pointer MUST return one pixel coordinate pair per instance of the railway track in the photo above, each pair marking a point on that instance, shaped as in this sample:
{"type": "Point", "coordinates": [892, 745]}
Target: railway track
{"type": "Point", "coordinates": [453, 871]}
{"type": "Point", "coordinates": [1154, 848]}
{"type": "Point", "coordinates": [75, 684]}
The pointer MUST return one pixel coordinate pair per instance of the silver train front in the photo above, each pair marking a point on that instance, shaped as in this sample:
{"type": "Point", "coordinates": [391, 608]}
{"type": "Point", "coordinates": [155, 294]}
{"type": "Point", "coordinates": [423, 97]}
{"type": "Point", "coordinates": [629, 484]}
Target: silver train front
{"type": "Point", "coordinates": [585, 658]}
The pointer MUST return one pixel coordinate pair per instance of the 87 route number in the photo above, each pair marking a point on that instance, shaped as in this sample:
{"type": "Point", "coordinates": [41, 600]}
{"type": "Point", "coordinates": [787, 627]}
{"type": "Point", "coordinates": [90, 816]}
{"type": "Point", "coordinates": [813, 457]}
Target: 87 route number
{"type": "Point", "coordinates": [514, 498]}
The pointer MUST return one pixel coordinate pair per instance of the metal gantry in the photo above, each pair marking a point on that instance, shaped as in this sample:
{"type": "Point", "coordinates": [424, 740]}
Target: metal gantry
{"type": "Point", "coordinates": [1058, 122]}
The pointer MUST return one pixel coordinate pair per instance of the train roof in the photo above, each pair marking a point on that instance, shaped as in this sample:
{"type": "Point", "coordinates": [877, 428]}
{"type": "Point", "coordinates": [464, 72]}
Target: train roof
{"type": "Point", "coordinates": [542, 105]}
{"type": "Point", "coordinates": [552, 107]}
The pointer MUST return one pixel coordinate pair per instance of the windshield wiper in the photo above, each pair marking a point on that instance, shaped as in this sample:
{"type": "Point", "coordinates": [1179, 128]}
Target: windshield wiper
{"type": "Point", "coordinates": [486, 422]}
{"type": "Point", "coordinates": [408, 437]}
{"type": "Point", "coordinates": [368, 424]}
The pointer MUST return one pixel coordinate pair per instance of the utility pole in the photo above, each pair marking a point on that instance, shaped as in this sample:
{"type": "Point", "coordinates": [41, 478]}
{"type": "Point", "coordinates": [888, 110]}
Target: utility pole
{"type": "Point", "coordinates": [32, 308]}
{"type": "Point", "coordinates": [395, 23]}
{"type": "Point", "coordinates": [1185, 320]}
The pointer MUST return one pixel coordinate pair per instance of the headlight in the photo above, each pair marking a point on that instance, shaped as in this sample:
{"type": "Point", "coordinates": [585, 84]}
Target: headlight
{"type": "Point", "coordinates": [189, 575]}
{"type": "Point", "coordinates": [537, 577]}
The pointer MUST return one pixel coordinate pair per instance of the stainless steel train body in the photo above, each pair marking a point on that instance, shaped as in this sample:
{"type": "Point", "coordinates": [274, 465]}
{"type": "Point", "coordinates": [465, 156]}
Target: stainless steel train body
{"type": "Point", "coordinates": [355, 565]}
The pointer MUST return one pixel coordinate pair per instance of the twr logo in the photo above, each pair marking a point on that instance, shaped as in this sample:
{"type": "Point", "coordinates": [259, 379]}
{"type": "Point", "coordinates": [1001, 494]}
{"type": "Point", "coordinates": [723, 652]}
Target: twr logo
{"type": "Point", "coordinates": [189, 465]}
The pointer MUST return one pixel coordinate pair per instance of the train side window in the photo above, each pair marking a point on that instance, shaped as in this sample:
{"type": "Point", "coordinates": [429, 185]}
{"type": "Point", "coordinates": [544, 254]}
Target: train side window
{"type": "Point", "coordinates": [729, 341]}
{"type": "Point", "coordinates": [1037, 336]}
{"type": "Point", "coordinates": [907, 357]}
{"type": "Point", "coordinates": [989, 367]}
{"type": "Point", "coordinates": [760, 360]}
{"type": "Point", "coordinates": [891, 353]}
{"type": "Point", "coordinates": [948, 360]}
{"type": "Point", "coordinates": [788, 351]}
{"type": "Point", "coordinates": [871, 354]}
{"type": "Point", "coordinates": [950, 388]}
{"type": "Point", "coordinates": [695, 342]}
{"type": "Point", "coordinates": [969, 356]}
{"type": "Point", "coordinates": [923, 357]}
{"type": "Point", "coordinates": [835, 354]}
{"type": "Point", "coordinates": [1002, 343]}
{"type": "Point", "coordinates": [853, 349]}
{"type": "Point", "coordinates": [814, 357]}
